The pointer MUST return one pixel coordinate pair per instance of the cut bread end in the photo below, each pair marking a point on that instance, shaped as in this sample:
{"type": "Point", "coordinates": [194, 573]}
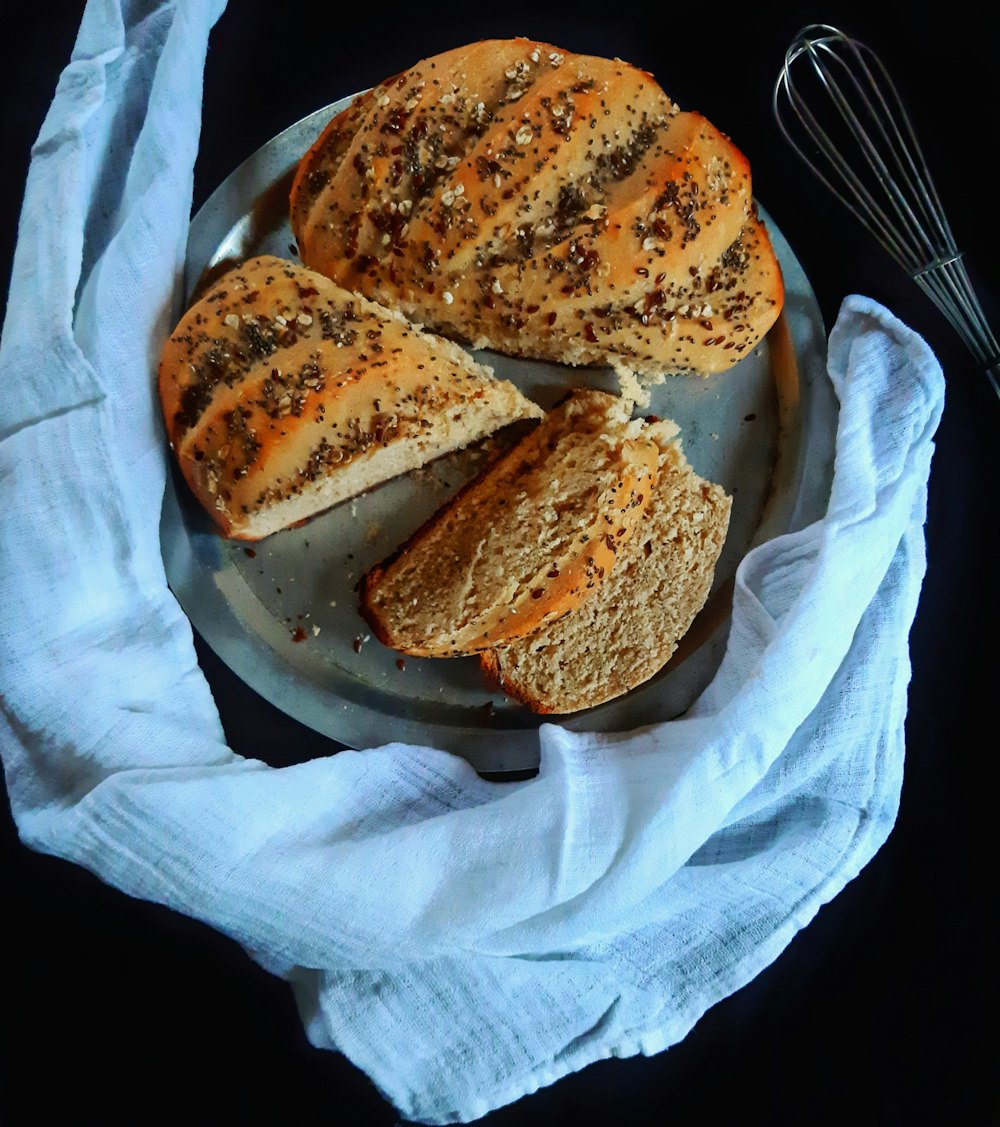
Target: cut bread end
{"type": "Point", "coordinates": [441, 435]}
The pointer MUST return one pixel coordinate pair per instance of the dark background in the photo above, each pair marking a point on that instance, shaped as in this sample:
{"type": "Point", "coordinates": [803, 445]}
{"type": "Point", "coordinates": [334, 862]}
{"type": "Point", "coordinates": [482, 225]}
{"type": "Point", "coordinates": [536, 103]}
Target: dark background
{"type": "Point", "coordinates": [883, 1010]}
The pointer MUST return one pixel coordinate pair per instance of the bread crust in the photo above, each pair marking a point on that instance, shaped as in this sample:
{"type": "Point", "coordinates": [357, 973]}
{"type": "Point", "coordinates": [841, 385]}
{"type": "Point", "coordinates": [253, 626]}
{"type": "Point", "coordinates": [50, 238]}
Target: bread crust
{"type": "Point", "coordinates": [546, 204]}
{"type": "Point", "coordinates": [283, 394]}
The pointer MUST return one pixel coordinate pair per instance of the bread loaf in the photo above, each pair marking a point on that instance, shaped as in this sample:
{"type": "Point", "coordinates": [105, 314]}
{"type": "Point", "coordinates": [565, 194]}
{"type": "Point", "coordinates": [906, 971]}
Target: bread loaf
{"type": "Point", "coordinates": [283, 394]}
{"type": "Point", "coordinates": [628, 629]}
{"type": "Point", "coordinates": [525, 541]}
{"type": "Point", "coordinates": [544, 204]}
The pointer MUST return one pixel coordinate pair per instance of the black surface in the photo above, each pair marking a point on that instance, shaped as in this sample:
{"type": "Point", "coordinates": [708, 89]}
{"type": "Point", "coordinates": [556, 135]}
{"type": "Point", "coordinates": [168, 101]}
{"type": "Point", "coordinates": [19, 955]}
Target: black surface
{"type": "Point", "coordinates": [883, 1010]}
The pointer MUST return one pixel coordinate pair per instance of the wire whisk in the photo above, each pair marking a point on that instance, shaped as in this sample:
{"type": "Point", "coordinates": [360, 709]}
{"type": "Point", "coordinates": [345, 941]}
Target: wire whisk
{"type": "Point", "coordinates": [839, 109]}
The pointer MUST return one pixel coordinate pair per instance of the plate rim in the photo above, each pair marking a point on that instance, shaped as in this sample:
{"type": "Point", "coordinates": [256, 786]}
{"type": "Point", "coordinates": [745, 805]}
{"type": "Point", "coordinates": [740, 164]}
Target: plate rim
{"type": "Point", "coordinates": [195, 561]}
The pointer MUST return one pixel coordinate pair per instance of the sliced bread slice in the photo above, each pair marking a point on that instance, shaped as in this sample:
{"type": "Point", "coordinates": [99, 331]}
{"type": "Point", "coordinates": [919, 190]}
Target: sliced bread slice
{"type": "Point", "coordinates": [525, 541]}
{"type": "Point", "coordinates": [629, 629]}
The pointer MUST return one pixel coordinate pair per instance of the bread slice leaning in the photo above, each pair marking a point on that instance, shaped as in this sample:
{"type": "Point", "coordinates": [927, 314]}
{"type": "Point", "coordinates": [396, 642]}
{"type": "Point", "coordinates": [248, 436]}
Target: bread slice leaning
{"type": "Point", "coordinates": [629, 629]}
{"type": "Point", "coordinates": [284, 394]}
{"type": "Point", "coordinates": [524, 542]}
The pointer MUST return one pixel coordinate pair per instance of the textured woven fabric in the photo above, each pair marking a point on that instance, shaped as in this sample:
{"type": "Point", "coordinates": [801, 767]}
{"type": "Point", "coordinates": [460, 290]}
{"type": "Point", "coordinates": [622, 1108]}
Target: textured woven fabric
{"type": "Point", "coordinates": [462, 941]}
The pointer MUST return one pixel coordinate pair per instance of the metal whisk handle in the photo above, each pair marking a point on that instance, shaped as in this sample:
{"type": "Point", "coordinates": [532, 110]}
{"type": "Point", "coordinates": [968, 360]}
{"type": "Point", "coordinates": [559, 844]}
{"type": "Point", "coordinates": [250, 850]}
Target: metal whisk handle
{"type": "Point", "coordinates": [947, 284]}
{"type": "Point", "coordinates": [841, 112]}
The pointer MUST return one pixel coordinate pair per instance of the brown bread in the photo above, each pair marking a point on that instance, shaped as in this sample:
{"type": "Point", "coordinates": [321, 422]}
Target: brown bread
{"type": "Point", "coordinates": [544, 204]}
{"type": "Point", "coordinates": [284, 394]}
{"type": "Point", "coordinates": [629, 628]}
{"type": "Point", "coordinates": [525, 541]}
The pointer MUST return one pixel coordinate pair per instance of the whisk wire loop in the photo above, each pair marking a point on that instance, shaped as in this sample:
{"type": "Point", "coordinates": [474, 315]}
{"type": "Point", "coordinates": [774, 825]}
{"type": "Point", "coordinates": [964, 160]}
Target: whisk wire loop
{"type": "Point", "coordinates": [835, 93]}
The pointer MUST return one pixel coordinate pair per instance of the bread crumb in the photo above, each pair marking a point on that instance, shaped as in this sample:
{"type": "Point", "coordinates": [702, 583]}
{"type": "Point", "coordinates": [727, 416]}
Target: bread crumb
{"type": "Point", "coordinates": [630, 387]}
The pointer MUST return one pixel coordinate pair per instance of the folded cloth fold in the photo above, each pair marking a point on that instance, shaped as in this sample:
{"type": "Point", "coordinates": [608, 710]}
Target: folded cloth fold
{"type": "Point", "coordinates": [462, 941]}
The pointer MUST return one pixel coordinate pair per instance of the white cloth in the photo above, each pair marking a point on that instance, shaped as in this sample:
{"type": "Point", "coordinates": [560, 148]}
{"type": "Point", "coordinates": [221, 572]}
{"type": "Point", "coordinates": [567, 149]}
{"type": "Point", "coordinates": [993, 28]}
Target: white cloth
{"type": "Point", "coordinates": [463, 942]}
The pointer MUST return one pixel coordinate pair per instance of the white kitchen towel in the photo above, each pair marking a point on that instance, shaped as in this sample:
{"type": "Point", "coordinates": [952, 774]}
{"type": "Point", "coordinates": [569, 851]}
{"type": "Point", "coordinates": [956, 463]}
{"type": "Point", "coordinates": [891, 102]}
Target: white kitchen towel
{"type": "Point", "coordinates": [462, 941]}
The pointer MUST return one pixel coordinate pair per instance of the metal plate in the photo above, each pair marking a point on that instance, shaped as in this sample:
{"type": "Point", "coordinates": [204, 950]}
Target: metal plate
{"type": "Point", "coordinates": [282, 614]}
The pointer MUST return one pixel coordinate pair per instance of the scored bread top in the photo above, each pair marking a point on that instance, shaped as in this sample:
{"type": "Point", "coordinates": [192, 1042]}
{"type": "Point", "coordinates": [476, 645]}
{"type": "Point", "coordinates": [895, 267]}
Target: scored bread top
{"type": "Point", "coordinates": [630, 628]}
{"type": "Point", "coordinates": [546, 204]}
{"type": "Point", "coordinates": [522, 543]}
{"type": "Point", "coordinates": [284, 394]}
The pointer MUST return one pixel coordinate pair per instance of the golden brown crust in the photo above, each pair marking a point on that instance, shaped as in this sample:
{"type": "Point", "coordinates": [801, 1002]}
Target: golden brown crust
{"type": "Point", "coordinates": [548, 204]}
{"type": "Point", "coordinates": [283, 394]}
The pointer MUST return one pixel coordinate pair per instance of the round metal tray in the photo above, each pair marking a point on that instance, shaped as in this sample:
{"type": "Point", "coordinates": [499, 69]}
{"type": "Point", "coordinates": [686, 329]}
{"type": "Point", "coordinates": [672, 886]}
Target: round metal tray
{"type": "Point", "coordinates": [282, 614]}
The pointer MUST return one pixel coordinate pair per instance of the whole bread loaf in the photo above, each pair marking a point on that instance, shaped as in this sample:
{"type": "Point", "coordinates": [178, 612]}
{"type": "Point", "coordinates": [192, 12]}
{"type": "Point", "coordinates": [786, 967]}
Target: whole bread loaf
{"type": "Point", "coordinates": [544, 204]}
{"type": "Point", "coordinates": [284, 394]}
{"type": "Point", "coordinates": [525, 541]}
{"type": "Point", "coordinates": [630, 626]}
